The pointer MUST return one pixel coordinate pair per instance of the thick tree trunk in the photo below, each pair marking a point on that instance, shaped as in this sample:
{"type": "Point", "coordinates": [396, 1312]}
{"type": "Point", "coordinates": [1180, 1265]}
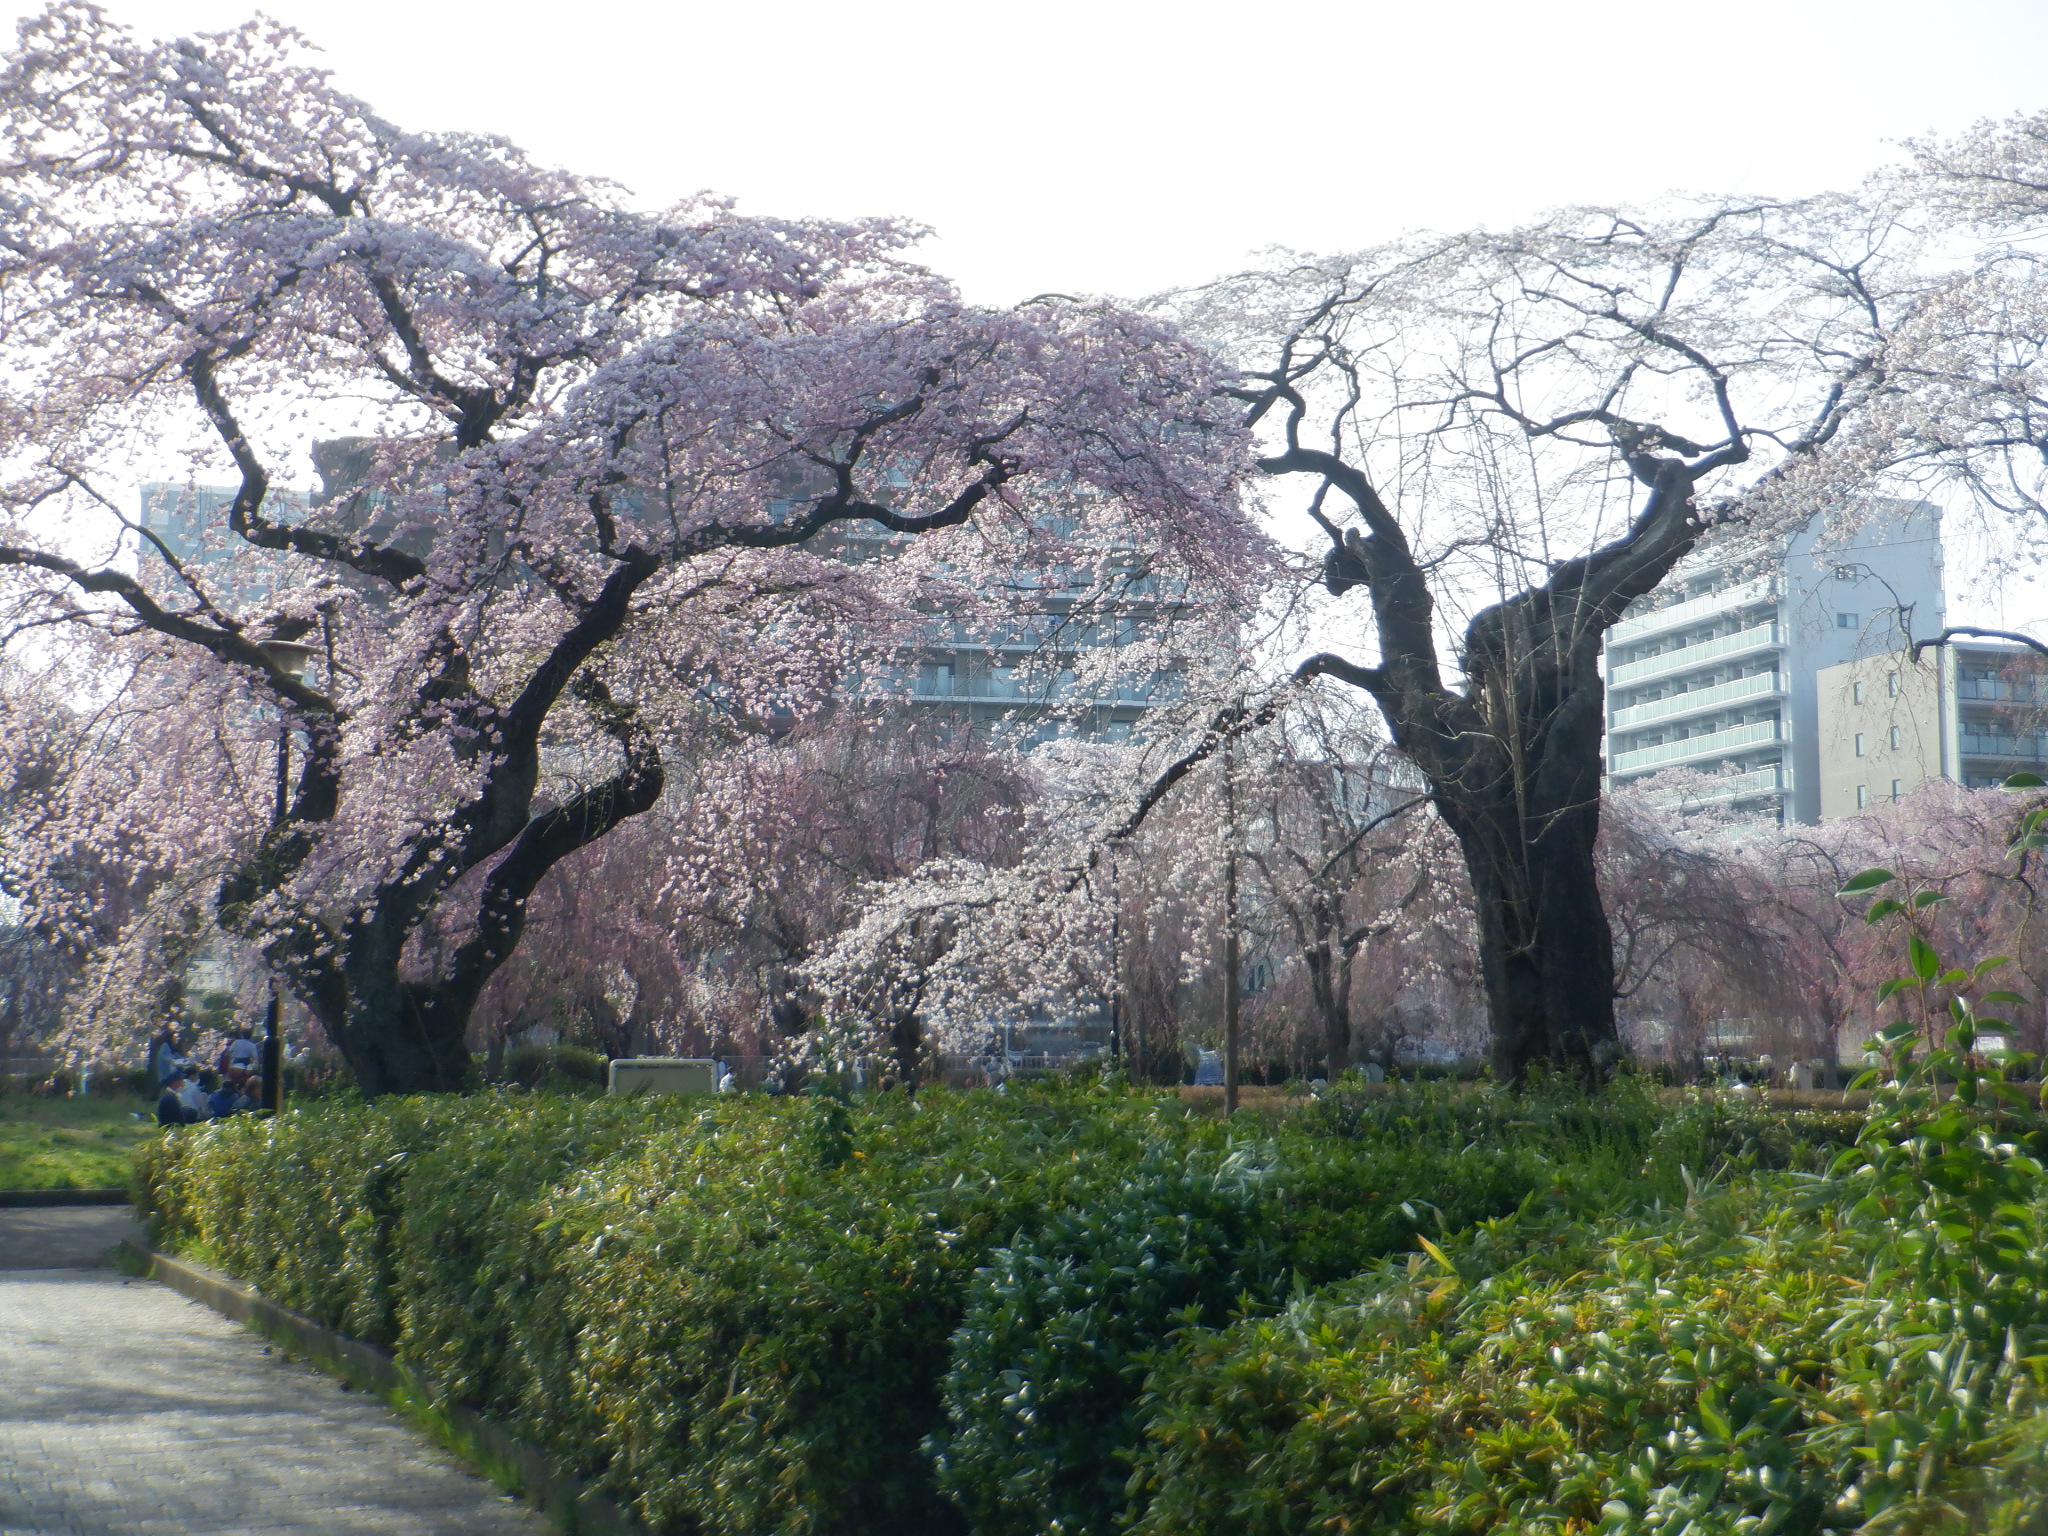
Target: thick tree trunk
{"type": "Point", "coordinates": [1332, 1005]}
{"type": "Point", "coordinates": [395, 1036]}
{"type": "Point", "coordinates": [394, 1045]}
{"type": "Point", "coordinates": [1546, 952]}
{"type": "Point", "coordinates": [1526, 815]}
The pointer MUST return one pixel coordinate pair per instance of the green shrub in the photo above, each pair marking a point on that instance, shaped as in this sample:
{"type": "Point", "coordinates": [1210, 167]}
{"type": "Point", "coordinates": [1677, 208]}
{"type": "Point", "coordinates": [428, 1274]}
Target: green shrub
{"type": "Point", "coordinates": [555, 1066]}
{"type": "Point", "coordinates": [1726, 1367]}
{"type": "Point", "coordinates": [740, 1316]}
{"type": "Point", "coordinates": [1061, 1326]}
{"type": "Point", "coordinates": [734, 1318]}
{"type": "Point", "coordinates": [1865, 1350]}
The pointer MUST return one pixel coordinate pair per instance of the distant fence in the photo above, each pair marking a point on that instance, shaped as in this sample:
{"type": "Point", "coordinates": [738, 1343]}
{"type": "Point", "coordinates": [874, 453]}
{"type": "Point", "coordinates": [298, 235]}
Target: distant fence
{"type": "Point", "coordinates": [955, 1070]}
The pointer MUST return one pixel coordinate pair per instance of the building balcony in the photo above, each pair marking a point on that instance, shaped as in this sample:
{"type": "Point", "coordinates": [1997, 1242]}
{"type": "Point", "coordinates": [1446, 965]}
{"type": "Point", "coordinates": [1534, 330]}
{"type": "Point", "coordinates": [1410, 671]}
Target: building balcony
{"type": "Point", "coordinates": [1697, 699]}
{"type": "Point", "coordinates": [1774, 780]}
{"type": "Point", "coordinates": [1760, 637]}
{"type": "Point", "coordinates": [1998, 689]}
{"type": "Point", "coordinates": [1695, 749]}
{"type": "Point", "coordinates": [1762, 589]}
{"type": "Point", "coordinates": [2011, 749]}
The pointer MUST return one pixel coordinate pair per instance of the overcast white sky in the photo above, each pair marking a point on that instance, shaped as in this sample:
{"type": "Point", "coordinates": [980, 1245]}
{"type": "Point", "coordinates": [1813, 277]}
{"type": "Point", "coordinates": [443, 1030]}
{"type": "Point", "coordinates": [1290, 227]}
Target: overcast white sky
{"type": "Point", "coordinates": [1129, 145]}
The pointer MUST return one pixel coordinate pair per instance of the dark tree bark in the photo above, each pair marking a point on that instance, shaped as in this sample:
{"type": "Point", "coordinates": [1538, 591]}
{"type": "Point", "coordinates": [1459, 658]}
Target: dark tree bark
{"type": "Point", "coordinates": [1504, 377]}
{"type": "Point", "coordinates": [1513, 758]}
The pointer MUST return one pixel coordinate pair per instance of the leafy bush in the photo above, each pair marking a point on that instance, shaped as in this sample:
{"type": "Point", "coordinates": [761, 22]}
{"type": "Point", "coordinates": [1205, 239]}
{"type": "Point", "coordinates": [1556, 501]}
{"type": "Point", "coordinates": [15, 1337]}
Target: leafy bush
{"type": "Point", "coordinates": [749, 1316]}
{"type": "Point", "coordinates": [1865, 1350]}
{"type": "Point", "coordinates": [1723, 1367]}
{"type": "Point", "coordinates": [734, 1318]}
{"type": "Point", "coordinates": [555, 1066]}
{"type": "Point", "coordinates": [1062, 1326]}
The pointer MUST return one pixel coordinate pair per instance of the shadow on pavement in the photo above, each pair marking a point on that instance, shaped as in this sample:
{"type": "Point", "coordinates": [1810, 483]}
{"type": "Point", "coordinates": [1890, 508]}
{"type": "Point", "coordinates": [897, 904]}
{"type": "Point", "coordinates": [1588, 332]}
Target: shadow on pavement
{"type": "Point", "coordinates": [63, 1236]}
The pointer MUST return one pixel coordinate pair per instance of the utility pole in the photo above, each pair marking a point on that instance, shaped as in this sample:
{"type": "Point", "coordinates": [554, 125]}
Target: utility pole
{"type": "Point", "coordinates": [1230, 957]}
{"type": "Point", "coordinates": [291, 658]}
{"type": "Point", "coordinates": [1117, 1052]}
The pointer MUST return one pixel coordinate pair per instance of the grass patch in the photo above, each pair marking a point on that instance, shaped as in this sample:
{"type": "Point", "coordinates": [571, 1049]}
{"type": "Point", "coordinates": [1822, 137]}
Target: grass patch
{"type": "Point", "coordinates": [70, 1143]}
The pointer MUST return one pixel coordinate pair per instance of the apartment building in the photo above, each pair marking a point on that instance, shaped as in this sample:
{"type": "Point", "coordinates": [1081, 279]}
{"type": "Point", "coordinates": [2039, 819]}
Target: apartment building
{"type": "Point", "coordinates": [1975, 712]}
{"type": "Point", "coordinates": [1035, 669]}
{"type": "Point", "coordinates": [1716, 671]}
{"type": "Point", "coordinates": [1026, 670]}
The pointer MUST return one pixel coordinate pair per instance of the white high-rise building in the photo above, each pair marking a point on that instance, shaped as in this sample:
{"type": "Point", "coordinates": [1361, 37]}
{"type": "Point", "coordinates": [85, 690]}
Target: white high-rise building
{"type": "Point", "coordinates": [1717, 669]}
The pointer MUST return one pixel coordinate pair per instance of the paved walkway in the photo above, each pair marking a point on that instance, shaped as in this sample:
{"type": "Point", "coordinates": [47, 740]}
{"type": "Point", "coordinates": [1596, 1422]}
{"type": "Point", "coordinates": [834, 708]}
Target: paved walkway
{"type": "Point", "coordinates": [126, 1410]}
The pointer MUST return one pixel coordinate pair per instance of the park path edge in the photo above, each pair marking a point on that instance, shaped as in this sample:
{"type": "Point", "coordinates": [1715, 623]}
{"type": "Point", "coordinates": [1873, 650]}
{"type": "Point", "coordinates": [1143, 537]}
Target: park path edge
{"type": "Point", "coordinates": [512, 1463]}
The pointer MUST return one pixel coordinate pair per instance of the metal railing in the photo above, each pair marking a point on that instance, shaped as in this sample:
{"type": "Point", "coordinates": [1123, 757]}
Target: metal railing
{"type": "Point", "coordinates": [2024, 748]}
{"type": "Point", "coordinates": [1735, 786]}
{"type": "Point", "coordinates": [1713, 744]}
{"type": "Point", "coordinates": [1755, 638]}
{"type": "Point", "coordinates": [1697, 699]}
{"type": "Point", "coordinates": [1760, 589]}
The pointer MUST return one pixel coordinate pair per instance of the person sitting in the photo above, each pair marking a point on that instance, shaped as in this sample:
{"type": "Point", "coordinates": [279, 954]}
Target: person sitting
{"type": "Point", "coordinates": [193, 1095]}
{"type": "Point", "coordinates": [249, 1095]}
{"type": "Point", "coordinates": [238, 1057]}
{"type": "Point", "coordinates": [171, 1106]}
{"type": "Point", "coordinates": [221, 1102]}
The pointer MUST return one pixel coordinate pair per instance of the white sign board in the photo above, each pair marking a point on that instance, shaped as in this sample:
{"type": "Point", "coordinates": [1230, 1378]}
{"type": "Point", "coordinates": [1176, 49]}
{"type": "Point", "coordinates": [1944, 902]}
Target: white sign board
{"type": "Point", "coordinates": [662, 1074]}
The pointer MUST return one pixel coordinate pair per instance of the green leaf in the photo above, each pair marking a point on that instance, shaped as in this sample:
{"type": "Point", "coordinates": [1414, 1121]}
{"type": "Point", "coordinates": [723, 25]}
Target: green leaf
{"type": "Point", "coordinates": [1869, 880]}
{"type": "Point", "coordinates": [1990, 963]}
{"type": "Point", "coordinates": [1926, 963]}
{"type": "Point", "coordinates": [2025, 781]}
{"type": "Point", "coordinates": [1716, 1422]}
{"type": "Point", "coordinates": [1999, 997]}
{"type": "Point", "coordinates": [1886, 989]}
{"type": "Point", "coordinates": [1927, 899]}
{"type": "Point", "coordinates": [1880, 910]}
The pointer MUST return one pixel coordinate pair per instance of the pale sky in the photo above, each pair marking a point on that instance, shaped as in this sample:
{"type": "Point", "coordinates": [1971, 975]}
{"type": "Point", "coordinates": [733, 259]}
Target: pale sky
{"type": "Point", "coordinates": [1126, 146]}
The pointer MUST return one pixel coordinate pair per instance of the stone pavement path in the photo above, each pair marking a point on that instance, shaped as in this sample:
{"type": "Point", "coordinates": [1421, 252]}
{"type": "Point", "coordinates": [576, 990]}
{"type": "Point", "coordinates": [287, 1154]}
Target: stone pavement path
{"type": "Point", "coordinates": [126, 1410]}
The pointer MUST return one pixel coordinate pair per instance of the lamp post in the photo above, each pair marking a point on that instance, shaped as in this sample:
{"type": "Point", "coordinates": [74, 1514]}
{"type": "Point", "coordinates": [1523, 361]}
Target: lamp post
{"type": "Point", "coordinates": [291, 658]}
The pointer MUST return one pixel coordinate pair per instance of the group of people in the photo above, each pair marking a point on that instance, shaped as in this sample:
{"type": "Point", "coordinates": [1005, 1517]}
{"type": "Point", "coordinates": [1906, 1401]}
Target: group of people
{"type": "Point", "coordinates": [187, 1095]}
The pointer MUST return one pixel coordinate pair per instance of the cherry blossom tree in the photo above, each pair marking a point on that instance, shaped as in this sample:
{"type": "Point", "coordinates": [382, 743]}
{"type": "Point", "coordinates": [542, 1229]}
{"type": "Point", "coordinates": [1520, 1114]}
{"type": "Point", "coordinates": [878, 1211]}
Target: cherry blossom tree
{"type": "Point", "coordinates": [1525, 432]}
{"type": "Point", "coordinates": [1344, 857]}
{"type": "Point", "coordinates": [691, 926]}
{"type": "Point", "coordinates": [594, 454]}
{"type": "Point", "coordinates": [1948, 844]}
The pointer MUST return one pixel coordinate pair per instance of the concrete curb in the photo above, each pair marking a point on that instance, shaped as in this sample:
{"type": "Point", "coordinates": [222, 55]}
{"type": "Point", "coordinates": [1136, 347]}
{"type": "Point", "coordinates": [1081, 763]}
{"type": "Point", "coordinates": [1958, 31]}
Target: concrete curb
{"type": "Point", "coordinates": [41, 1197]}
{"type": "Point", "coordinates": [507, 1460]}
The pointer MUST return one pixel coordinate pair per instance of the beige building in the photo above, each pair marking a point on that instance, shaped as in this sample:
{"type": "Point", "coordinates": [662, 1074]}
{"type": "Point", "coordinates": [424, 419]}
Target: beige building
{"type": "Point", "coordinates": [1973, 712]}
{"type": "Point", "coordinates": [1881, 731]}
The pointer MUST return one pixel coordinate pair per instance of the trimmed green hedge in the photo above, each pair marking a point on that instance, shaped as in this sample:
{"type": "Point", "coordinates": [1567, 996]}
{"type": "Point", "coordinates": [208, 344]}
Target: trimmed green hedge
{"type": "Point", "coordinates": [771, 1315]}
{"type": "Point", "coordinates": [1739, 1366]}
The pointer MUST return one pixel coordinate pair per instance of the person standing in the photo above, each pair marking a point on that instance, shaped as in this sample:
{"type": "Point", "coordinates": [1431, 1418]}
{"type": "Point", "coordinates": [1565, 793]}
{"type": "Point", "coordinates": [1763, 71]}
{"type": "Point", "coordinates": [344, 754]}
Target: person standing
{"type": "Point", "coordinates": [164, 1055]}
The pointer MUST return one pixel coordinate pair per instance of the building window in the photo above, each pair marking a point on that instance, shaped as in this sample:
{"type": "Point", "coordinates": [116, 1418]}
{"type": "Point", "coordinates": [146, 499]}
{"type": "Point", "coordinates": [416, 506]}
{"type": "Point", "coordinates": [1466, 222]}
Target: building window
{"type": "Point", "coordinates": [1891, 684]}
{"type": "Point", "coordinates": [1847, 621]}
{"type": "Point", "coordinates": [1859, 750]}
{"type": "Point", "coordinates": [1862, 796]}
{"type": "Point", "coordinates": [1895, 787]}
{"type": "Point", "coordinates": [1855, 693]}
{"type": "Point", "coordinates": [1895, 740]}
